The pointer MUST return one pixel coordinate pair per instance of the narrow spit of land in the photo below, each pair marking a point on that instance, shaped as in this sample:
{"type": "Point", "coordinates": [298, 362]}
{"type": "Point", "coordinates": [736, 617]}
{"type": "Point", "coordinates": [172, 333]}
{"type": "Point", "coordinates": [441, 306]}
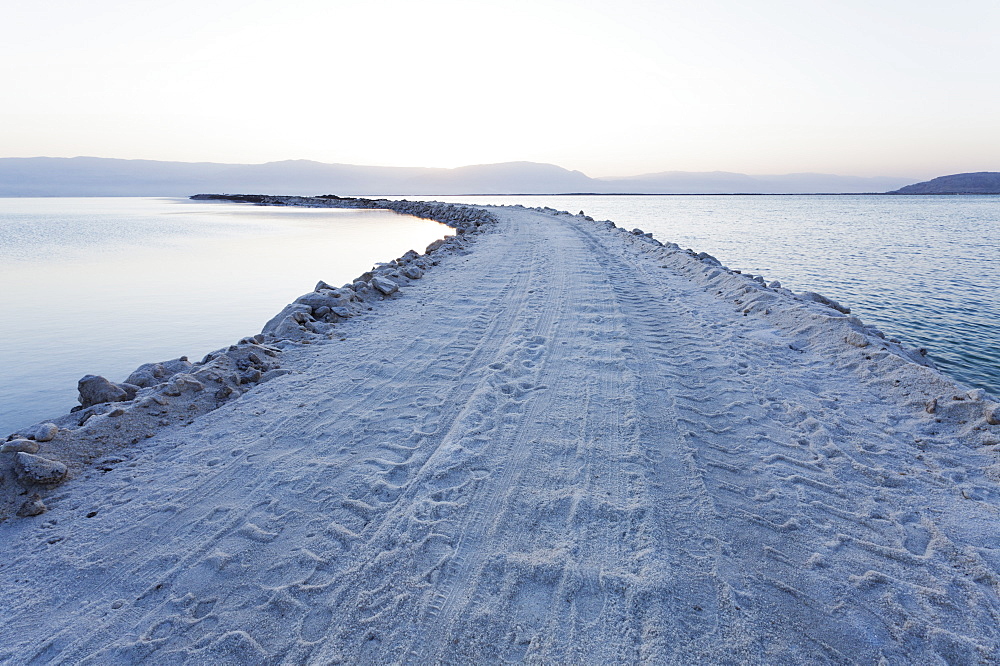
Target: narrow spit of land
{"type": "Point", "coordinates": [568, 445]}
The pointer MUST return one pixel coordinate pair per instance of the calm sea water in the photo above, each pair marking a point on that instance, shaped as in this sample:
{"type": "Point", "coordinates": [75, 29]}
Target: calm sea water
{"type": "Point", "coordinates": [924, 269]}
{"type": "Point", "coordinates": [101, 286]}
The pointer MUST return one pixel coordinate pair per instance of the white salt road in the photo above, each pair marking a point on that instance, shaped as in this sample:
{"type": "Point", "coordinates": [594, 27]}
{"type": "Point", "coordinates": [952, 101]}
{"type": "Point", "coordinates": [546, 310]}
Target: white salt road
{"type": "Point", "coordinates": [569, 445]}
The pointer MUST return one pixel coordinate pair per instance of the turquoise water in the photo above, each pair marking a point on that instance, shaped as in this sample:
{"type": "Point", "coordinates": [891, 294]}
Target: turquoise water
{"type": "Point", "coordinates": [102, 285]}
{"type": "Point", "coordinates": [924, 269]}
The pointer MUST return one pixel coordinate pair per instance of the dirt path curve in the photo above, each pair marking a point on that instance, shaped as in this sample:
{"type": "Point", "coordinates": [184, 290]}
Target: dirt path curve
{"type": "Point", "coordinates": [557, 448]}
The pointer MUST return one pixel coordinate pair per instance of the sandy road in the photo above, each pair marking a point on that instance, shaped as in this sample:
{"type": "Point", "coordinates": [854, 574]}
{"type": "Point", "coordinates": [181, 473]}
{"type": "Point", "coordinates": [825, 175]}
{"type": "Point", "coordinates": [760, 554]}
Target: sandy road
{"type": "Point", "coordinates": [561, 447]}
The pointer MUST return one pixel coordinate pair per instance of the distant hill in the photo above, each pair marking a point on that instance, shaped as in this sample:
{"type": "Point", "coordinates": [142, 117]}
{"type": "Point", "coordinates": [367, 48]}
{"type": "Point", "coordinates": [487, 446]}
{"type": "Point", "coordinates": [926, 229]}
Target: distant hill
{"type": "Point", "coordinates": [95, 176]}
{"type": "Point", "coordinates": [982, 182]}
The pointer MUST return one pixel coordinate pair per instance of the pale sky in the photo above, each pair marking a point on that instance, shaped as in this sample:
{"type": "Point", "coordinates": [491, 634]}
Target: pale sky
{"type": "Point", "coordinates": [623, 87]}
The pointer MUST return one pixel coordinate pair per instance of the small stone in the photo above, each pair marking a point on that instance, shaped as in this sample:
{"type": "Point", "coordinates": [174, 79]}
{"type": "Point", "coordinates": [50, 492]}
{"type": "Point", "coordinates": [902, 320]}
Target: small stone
{"type": "Point", "coordinates": [856, 339]}
{"type": "Point", "coordinates": [148, 374]}
{"type": "Point", "coordinates": [95, 389]}
{"type": "Point", "coordinates": [316, 300]}
{"type": "Point", "coordinates": [413, 272]}
{"type": "Point", "coordinates": [251, 376]}
{"type": "Point", "coordinates": [993, 414]}
{"type": "Point", "coordinates": [46, 432]}
{"type": "Point", "coordinates": [385, 285]}
{"type": "Point", "coordinates": [931, 407]}
{"type": "Point", "coordinates": [32, 507]}
{"type": "Point", "coordinates": [36, 469]}
{"type": "Point", "coordinates": [183, 382]}
{"type": "Point", "coordinates": [19, 446]}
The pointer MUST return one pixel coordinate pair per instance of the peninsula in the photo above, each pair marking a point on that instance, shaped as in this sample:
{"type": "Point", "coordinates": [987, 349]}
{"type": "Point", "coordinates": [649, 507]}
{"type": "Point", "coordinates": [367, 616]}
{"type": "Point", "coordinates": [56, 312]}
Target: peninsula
{"type": "Point", "coordinates": [546, 438]}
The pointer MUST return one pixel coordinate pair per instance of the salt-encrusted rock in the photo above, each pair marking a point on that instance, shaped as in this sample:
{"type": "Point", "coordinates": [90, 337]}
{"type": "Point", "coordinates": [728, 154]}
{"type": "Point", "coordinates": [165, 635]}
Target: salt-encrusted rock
{"type": "Point", "coordinates": [151, 374]}
{"type": "Point", "coordinates": [251, 376]}
{"type": "Point", "coordinates": [32, 506]}
{"type": "Point", "coordinates": [270, 328]}
{"type": "Point", "coordinates": [319, 299]}
{"type": "Point", "coordinates": [384, 284]}
{"type": "Point", "coordinates": [95, 389]}
{"type": "Point", "coordinates": [341, 312]}
{"type": "Point", "coordinates": [35, 469]}
{"type": "Point", "coordinates": [705, 257]}
{"type": "Point", "coordinates": [290, 329]}
{"type": "Point", "coordinates": [298, 325]}
{"type": "Point", "coordinates": [322, 285]}
{"type": "Point", "coordinates": [993, 414]}
{"type": "Point", "coordinates": [178, 364]}
{"type": "Point", "coordinates": [148, 374]}
{"type": "Point", "coordinates": [435, 245]}
{"type": "Point", "coordinates": [856, 339]}
{"type": "Point", "coordinates": [46, 432]}
{"type": "Point", "coordinates": [19, 446]}
{"type": "Point", "coordinates": [274, 374]}
{"type": "Point", "coordinates": [413, 272]}
{"type": "Point", "coordinates": [774, 285]}
{"type": "Point", "coordinates": [828, 302]}
{"type": "Point", "coordinates": [183, 382]}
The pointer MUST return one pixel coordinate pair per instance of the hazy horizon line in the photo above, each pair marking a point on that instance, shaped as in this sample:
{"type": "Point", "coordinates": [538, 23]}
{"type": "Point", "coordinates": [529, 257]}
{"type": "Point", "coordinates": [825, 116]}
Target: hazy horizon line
{"type": "Point", "coordinates": [483, 164]}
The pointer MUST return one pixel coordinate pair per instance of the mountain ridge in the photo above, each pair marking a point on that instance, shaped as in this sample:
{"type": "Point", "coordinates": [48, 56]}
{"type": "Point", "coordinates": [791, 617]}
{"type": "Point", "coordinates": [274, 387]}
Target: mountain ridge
{"type": "Point", "coordinates": [99, 176]}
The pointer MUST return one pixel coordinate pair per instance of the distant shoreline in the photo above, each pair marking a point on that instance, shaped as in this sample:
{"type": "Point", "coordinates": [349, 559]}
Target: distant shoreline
{"type": "Point", "coordinates": [704, 194]}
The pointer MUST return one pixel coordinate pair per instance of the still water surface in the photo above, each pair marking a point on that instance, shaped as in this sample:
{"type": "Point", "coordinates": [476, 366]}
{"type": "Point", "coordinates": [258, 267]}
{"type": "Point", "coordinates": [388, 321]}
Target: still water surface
{"type": "Point", "coordinates": [102, 285]}
{"type": "Point", "coordinates": [924, 269]}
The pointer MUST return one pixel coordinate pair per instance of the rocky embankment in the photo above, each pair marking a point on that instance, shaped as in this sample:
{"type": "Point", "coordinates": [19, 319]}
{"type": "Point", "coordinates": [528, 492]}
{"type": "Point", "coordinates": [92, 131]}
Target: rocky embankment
{"type": "Point", "coordinates": [35, 461]}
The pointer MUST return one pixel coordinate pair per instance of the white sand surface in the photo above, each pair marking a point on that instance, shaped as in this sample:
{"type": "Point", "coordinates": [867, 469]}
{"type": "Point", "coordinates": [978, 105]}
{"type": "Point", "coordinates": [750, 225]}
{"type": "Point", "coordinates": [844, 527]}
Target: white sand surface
{"type": "Point", "coordinates": [568, 444]}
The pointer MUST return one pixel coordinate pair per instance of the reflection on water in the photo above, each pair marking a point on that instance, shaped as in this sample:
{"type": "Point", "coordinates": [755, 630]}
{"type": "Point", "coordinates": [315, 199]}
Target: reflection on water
{"type": "Point", "coordinates": [103, 285]}
{"type": "Point", "coordinates": [924, 269]}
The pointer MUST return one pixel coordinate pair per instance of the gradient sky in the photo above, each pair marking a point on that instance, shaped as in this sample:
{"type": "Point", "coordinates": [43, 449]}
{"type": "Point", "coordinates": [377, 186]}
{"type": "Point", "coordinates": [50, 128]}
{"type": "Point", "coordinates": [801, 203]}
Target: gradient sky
{"type": "Point", "coordinates": [874, 87]}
